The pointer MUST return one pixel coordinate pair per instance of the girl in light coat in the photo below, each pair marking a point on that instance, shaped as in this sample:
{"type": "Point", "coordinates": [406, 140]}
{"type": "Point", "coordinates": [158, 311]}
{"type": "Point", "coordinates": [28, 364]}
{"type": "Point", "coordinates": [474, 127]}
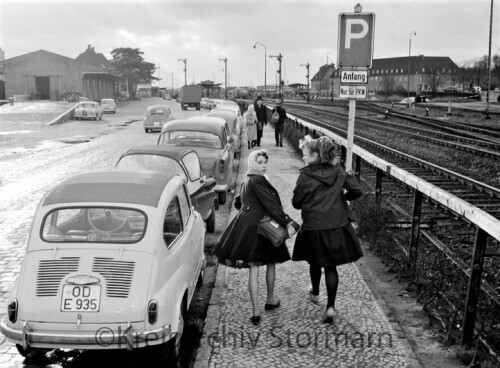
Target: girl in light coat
{"type": "Point", "coordinates": [251, 124]}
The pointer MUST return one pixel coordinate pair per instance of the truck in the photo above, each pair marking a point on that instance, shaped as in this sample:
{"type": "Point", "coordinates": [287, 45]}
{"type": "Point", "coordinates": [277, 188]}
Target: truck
{"type": "Point", "coordinates": [191, 97]}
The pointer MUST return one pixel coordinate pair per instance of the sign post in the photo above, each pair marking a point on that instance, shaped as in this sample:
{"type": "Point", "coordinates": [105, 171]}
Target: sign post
{"type": "Point", "coordinates": [355, 55]}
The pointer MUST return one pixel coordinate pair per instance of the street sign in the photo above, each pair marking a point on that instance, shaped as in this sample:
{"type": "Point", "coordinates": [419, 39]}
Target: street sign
{"type": "Point", "coordinates": [355, 42]}
{"type": "Point", "coordinates": [353, 76]}
{"type": "Point", "coordinates": [355, 92]}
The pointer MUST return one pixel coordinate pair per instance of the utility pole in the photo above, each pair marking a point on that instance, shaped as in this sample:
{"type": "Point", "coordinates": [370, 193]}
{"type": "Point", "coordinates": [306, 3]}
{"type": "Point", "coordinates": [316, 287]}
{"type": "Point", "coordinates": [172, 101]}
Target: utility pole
{"type": "Point", "coordinates": [185, 70]}
{"type": "Point", "coordinates": [280, 58]}
{"type": "Point", "coordinates": [307, 67]}
{"type": "Point", "coordinates": [225, 75]}
{"type": "Point", "coordinates": [172, 82]}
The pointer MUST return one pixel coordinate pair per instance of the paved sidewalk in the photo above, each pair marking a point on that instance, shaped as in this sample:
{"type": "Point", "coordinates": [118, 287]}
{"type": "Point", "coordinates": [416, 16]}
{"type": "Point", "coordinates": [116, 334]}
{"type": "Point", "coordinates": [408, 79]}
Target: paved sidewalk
{"type": "Point", "coordinates": [293, 335]}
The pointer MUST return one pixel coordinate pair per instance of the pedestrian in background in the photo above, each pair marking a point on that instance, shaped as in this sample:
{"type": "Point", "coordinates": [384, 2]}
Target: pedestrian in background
{"type": "Point", "coordinates": [261, 112]}
{"type": "Point", "coordinates": [326, 238]}
{"type": "Point", "coordinates": [241, 246]}
{"type": "Point", "coordinates": [278, 122]}
{"type": "Point", "coordinates": [251, 124]}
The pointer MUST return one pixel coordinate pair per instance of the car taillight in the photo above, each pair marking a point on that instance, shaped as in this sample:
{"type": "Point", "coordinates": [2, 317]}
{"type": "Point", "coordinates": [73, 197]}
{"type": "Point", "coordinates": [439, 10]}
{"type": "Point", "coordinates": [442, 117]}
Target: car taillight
{"type": "Point", "coordinates": [152, 312]}
{"type": "Point", "coordinates": [221, 166]}
{"type": "Point", "coordinates": [12, 311]}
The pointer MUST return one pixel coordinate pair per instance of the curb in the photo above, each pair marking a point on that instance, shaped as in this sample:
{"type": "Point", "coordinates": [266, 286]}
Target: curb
{"type": "Point", "coordinates": [65, 116]}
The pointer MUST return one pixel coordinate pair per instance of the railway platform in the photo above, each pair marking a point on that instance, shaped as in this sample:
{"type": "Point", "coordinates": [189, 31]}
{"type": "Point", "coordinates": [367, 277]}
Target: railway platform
{"type": "Point", "coordinates": [293, 335]}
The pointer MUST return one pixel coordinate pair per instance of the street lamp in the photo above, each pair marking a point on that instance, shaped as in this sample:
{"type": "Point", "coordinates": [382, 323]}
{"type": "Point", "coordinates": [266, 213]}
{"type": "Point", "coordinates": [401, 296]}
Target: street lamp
{"type": "Point", "coordinates": [332, 78]}
{"type": "Point", "coordinates": [307, 67]}
{"type": "Point", "coordinates": [409, 63]}
{"type": "Point", "coordinates": [265, 66]}
{"type": "Point", "coordinates": [225, 75]}
{"type": "Point", "coordinates": [185, 70]}
{"type": "Point", "coordinates": [489, 66]}
{"type": "Point", "coordinates": [280, 58]}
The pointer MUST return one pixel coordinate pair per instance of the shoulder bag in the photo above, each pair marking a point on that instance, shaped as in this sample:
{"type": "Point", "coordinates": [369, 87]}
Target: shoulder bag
{"type": "Point", "coordinates": [272, 230]}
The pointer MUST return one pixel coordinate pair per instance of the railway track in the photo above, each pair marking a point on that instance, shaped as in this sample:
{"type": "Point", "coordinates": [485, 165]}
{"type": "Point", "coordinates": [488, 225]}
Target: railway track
{"type": "Point", "coordinates": [460, 140]}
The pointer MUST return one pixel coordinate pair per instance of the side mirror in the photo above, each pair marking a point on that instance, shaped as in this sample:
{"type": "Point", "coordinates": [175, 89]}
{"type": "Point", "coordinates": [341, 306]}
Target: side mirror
{"type": "Point", "coordinates": [210, 184]}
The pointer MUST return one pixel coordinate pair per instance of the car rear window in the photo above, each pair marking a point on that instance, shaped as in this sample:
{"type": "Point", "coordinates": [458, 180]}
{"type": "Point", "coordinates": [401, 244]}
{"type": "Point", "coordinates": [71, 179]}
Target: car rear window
{"type": "Point", "coordinates": [108, 101]}
{"type": "Point", "coordinates": [157, 112]}
{"type": "Point", "coordinates": [146, 162]}
{"type": "Point", "coordinates": [191, 138]}
{"type": "Point", "coordinates": [94, 225]}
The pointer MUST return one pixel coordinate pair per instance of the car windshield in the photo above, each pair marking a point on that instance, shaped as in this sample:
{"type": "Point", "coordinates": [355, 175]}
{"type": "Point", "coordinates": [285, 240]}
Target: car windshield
{"type": "Point", "coordinates": [191, 138]}
{"type": "Point", "coordinates": [94, 225]}
{"type": "Point", "coordinates": [157, 112]}
{"type": "Point", "coordinates": [145, 162]}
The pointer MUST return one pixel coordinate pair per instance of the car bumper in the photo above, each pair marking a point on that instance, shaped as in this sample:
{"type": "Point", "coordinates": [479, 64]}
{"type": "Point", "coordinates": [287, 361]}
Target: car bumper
{"type": "Point", "coordinates": [105, 337]}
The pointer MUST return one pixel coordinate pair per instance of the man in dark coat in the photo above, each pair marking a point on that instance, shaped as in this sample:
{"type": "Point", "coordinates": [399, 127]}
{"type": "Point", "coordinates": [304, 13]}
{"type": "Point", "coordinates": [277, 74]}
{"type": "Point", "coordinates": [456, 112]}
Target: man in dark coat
{"type": "Point", "coordinates": [278, 126]}
{"type": "Point", "coordinates": [261, 111]}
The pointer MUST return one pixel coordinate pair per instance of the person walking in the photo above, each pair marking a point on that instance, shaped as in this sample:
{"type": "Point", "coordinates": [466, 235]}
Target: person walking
{"type": "Point", "coordinates": [279, 124]}
{"type": "Point", "coordinates": [241, 246]}
{"type": "Point", "coordinates": [261, 112]}
{"type": "Point", "coordinates": [326, 238]}
{"type": "Point", "coordinates": [251, 124]}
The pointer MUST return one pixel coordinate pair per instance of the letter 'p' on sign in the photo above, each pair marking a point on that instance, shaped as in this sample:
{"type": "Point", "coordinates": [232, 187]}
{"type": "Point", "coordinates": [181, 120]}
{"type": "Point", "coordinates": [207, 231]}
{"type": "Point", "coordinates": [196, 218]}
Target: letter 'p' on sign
{"type": "Point", "coordinates": [355, 42]}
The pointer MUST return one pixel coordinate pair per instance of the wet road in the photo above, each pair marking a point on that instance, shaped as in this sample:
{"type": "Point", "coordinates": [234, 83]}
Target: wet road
{"type": "Point", "coordinates": [30, 165]}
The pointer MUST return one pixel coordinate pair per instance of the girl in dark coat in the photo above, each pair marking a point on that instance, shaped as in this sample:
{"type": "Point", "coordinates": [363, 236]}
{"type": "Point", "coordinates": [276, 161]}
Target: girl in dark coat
{"type": "Point", "coordinates": [241, 246]}
{"type": "Point", "coordinates": [326, 238]}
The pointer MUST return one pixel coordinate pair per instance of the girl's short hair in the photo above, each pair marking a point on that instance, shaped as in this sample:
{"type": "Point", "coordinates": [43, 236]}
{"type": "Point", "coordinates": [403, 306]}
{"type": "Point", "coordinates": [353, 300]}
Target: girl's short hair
{"type": "Point", "coordinates": [324, 147]}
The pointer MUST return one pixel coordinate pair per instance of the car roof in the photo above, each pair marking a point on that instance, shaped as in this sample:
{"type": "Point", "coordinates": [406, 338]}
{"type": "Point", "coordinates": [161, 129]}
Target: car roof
{"type": "Point", "coordinates": [144, 188]}
{"type": "Point", "coordinates": [158, 107]}
{"type": "Point", "coordinates": [221, 112]}
{"type": "Point", "coordinates": [172, 151]}
{"type": "Point", "coordinates": [200, 124]}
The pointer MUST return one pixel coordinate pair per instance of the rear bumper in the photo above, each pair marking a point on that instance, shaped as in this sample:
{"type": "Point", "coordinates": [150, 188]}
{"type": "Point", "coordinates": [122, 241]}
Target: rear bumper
{"type": "Point", "coordinates": [118, 337]}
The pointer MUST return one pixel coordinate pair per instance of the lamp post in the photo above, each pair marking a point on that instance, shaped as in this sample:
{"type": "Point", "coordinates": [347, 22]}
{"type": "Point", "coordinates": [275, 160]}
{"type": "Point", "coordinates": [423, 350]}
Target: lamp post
{"type": "Point", "coordinates": [265, 66]}
{"type": "Point", "coordinates": [487, 116]}
{"type": "Point", "coordinates": [409, 63]}
{"type": "Point", "coordinates": [185, 70]}
{"type": "Point", "coordinates": [280, 58]}
{"type": "Point", "coordinates": [332, 78]}
{"type": "Point", "coordinates": [225, 75]}
{"type": "Point", "coordinates": [307, 67]}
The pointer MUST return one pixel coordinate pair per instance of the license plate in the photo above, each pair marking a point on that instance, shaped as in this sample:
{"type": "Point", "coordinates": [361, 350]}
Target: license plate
{"type": "Point", "coordinates": [81, 298]}
{"type": "Point", "coordinates": [157, 123]}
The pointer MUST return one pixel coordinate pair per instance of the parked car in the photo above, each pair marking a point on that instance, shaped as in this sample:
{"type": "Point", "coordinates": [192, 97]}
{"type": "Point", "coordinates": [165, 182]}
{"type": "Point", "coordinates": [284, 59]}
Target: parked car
{"type": "Point", "coordinates": [88, 110]}
{"type": "Point", "coordinates": [119, 252]}
{"type": "Point", "coordinates": [226, 106]}
{"type": "Point", "coordinates": [233, 127]}
{"type": "Point", "coordinates": [156, 117]}
{"type": "Point", "coordinates": [108, 105]}
{"type": "Point", "coordinates": [210, 138]}
{"type": "Point", "coordinates": [180, 161]}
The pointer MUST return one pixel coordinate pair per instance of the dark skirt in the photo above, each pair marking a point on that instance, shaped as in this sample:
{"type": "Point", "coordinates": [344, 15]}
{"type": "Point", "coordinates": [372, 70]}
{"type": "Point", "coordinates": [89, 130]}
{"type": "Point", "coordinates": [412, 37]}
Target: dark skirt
{"type": "Point", "coordinates": [240, 246]}
{"type": "Point", "coordinates": [327, 248]}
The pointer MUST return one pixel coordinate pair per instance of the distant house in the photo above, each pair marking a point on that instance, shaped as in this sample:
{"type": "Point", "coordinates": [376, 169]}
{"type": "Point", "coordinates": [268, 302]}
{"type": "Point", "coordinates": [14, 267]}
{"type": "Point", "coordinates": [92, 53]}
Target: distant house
{"type": "Point", "coordinates": [45, 75]}
{"type": "Point", "coordinates": [427, 73]}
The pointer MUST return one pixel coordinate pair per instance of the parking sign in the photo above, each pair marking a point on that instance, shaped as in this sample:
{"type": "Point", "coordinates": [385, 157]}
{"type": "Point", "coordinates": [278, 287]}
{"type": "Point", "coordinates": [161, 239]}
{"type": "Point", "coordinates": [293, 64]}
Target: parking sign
{"type": "Point", "coordinates": [355, 42]}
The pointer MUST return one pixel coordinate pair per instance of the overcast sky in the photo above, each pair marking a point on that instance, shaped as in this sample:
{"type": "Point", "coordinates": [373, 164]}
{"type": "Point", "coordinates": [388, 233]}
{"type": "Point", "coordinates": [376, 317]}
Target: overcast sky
{"type": "Point", "coordinates": [203, 31]}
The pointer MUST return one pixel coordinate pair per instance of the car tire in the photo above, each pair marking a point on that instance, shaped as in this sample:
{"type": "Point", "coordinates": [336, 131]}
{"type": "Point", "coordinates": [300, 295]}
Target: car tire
{"type": "Point", "coordinates": [24, 352]}
{"type": "Point", "coordinates": [211, 221]}
{"type": "Point", "coordinates": [169, 352]}
{"type": "Point", "coordinates": [146, 130]}
{"type": "Point", "coordinates": [222, 197]}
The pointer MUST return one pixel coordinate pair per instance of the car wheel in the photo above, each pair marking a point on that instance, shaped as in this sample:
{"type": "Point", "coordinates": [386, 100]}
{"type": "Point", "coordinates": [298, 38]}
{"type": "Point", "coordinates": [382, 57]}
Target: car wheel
{"type": "Point", "coordinates": [222, 197]}
{"type": "Point", "coordinates": [146, 130]}
{"type": "Point", "coordinates": [211, 221]}
{"type": "Point", "coordinates": [169, 352]}
{"type": "Point", "coordinates": [24, 352]}
{"type": "Point", "coordinates": [100, 117]}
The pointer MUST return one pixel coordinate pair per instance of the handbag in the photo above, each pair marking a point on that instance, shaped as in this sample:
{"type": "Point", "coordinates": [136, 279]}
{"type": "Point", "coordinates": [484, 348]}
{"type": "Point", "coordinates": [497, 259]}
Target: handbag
{"type": "Point", "coordinates": [272, 230]}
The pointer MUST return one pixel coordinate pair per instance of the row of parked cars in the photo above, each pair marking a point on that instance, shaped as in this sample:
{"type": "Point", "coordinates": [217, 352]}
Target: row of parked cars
{"type": "Point", "coordinates": [94, 110]}
{"type": "Point", "coordinates": [114, 257]}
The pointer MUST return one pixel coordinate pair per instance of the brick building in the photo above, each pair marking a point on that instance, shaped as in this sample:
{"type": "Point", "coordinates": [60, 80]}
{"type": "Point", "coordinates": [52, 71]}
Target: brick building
{"type": "Point", "coordinates": [427, 74]}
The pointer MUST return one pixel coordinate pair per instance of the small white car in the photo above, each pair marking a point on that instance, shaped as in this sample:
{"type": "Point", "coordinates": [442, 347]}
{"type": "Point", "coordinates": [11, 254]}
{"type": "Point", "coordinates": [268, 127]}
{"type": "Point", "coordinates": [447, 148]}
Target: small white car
{"type": "Point", "coordinates": [108, 105]}
{"type": "Point", "coordinates": [88, 110]}
{"type": "Point", "coordinates": [112, 262]}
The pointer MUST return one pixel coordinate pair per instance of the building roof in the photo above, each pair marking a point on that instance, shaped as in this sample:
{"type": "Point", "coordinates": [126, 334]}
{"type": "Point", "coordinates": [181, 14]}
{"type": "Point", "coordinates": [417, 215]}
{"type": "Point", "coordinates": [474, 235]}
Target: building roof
{"type": "Point", "coordinates": [418, 64]}
{"type": "Point", "coordinates": [31, 55]}
{"type": "Point", "coordinates": [91, 57]}
{"type": "Point", "coordinates": [324, 72]}
{"type": "Point", "coordinates": [143, 188]}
